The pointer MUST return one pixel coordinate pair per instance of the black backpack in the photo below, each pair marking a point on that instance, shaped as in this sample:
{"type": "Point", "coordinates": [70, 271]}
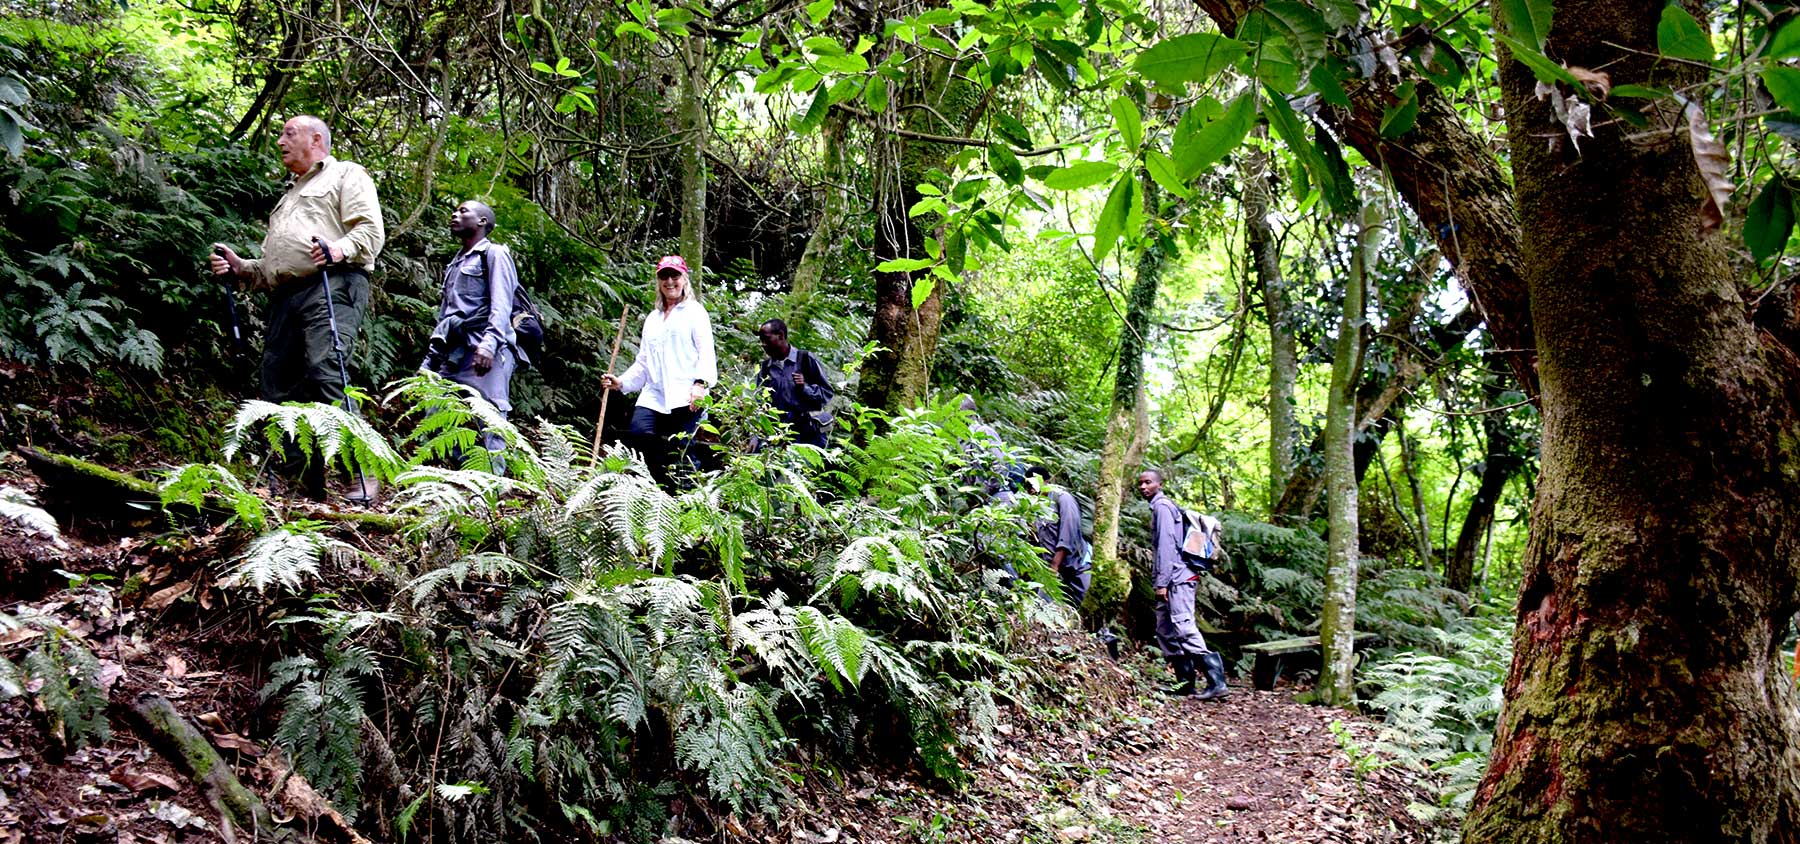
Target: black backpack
{"type": "Point", "coordinates": [528, 324]}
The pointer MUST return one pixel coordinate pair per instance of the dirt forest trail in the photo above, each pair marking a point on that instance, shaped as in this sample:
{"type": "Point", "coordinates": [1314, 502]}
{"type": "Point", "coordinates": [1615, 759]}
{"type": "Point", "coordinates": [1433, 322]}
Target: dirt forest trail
{"type": "Point", "coordinates": [1256, 767]}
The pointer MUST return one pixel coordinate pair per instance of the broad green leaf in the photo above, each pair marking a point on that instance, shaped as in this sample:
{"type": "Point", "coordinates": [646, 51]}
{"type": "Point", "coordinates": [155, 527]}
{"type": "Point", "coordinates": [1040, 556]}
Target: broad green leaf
{"type": "Point", "coordinates": [1679, 36]}
{"type": "Point", "coordinates": [1325, 80]}
{"type": "Point", "coordinates": [1194, 57]}
{"type": "Point", "coordinates": [956, 250]}
{"type": "Point", "coordinates": [875, 95]}
{"type": "Point", "coordinates": [1081, 174]}
{"type": "Point", "coordinates": [1274, 64]}
{"type": "Point", "coordinates": [821, 45]}
{"type": "Point", "coordinates": [674, 19]}
{"type": "Point", "coordinates": [845, 90]}
{"type": "Point", "coordinates": [1292, 132]}
{"type": "Point", "coordinates": [819, 10]}
{"type": "Point", "coordinates": [1639, 91]}
{"type": "Point", "coordinates": [13, 93]}
{"type": "Point", "coordinates": [1217, 139]}
{"type": "Point", "coordinates": [1301, 26]}
{"type": "Point", "coordinates": [1005, 164]}
{"type": "Point", "coordinates": [1401, 116]}
{"type": "Point", "coordinates": [540, 67]}
{"type": "Point", "coordinates": [1163, 170]}
{"type": "Point", "coordinates": [921, 290]}
{"type": "Point", "coordinates": [1786, 124]}
{"type": "Point", "coordinates": [1784, 85]}
{"type": "Point", "coordinates": [1011, 130]}
{"type": "Point", "coordinates": [634, 28]}
{"type": "Point", "coordinates": [1130, 123]}
{"type": "Point", "coordinates": [1786, 44]}
{"type": "Point", "coordinates": [1770, 220]}
{"type": "Point", "coordinates": [815, 113]}
{"type": "Point", "coordinates": [1339, 13]}
{"type": "Point", "coordinates": [1115, 216]}
{"type": "Point", "coordinates": [1054, 70]}
{"type": "Point", "coordinates": [1528, 21]}
{"type": "Point", "coordinates": [902, 265]}
{"type": "Point", "coordinates": [1541, 66]}
{"type": "Point", "coordinates": [937, 17]}
{"type": "Point", "coordinates": [12, 135]}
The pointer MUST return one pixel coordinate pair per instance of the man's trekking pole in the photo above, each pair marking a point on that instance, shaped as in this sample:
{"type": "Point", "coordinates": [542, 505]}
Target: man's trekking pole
{"type": "Point", "coordinates": [337, 347]}
{"type": "Point", "coordinates": [337, 342]}
{"type": "Point", "coordinates": [237, 332]}
{"type": "Point", "coordinates": [600, 421]}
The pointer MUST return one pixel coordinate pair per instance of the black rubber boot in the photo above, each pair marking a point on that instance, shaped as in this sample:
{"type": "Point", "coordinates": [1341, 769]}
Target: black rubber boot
{"type": "Point", "coordinates": [1185, 673]}
{"type": "Point", "coordinates": [1215, 677]}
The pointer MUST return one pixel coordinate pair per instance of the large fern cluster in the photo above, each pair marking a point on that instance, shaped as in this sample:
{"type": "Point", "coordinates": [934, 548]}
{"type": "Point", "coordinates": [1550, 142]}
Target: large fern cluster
{"type": "Point", "coordinates": [62, 676]}
{"type": "Point", "coordinates": [582, 645]}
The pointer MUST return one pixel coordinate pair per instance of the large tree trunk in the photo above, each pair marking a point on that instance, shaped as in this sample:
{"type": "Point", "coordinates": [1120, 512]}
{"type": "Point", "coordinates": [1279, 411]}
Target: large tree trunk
{"type": "Point", "coordinates": [696, 131]}
{"type": "Point", "coordinates": [1284, 366]}
{"type": "Point", "coordinates": [1453, 184]}
{"type": "Point", "coordinates": [1128, 396]}
{"type": "Point", "coordinates": [898, 374]}
{"type": "Point", "coordinates": [1648, 699]}
{"type": "Point", "coordinates": [1337, 623]}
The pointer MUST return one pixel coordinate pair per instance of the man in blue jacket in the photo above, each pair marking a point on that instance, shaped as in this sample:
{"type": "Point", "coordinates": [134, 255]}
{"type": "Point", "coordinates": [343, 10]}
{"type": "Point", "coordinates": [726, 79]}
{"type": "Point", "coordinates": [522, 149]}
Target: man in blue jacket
{"type": "Point", "coordinates": [1182, 644]}
{"type": "Point", "coordinates": [796, 383]}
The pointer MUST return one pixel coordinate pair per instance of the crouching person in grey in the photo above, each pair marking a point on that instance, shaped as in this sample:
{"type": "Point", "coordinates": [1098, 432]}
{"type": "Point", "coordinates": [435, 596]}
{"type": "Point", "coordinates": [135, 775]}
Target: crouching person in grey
{"type": "Point", "coordinates": [1176, 631]}
{"type": "Point", "coordinates": [1063, 548]}
{"type": "Point", "coordinates": [474, 342]}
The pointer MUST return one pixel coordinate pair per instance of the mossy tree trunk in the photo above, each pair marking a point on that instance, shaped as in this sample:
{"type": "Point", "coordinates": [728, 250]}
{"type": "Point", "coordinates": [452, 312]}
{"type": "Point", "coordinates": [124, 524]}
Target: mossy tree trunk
{"type": "Point", "coordinates": [1648, 699]}
{"type": "Point", "coordinates": [696, 130]}
{"type": "Point", "coordinates": [898, 375]}
{"type": "Point", "coordinates": [1337, 623]}
{"type": "Point", "coordinates": [1112, 578]}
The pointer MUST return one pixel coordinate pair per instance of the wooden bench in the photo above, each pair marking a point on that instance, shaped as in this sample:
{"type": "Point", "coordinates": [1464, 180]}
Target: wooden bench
{"type": "Point", "coordinates": [1271, 656]}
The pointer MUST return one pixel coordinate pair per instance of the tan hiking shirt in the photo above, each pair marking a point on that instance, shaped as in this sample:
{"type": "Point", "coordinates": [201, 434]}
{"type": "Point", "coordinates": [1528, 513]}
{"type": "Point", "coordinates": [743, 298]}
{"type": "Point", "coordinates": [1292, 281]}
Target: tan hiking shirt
{"type": "Point", "coordinates": [335, 200]}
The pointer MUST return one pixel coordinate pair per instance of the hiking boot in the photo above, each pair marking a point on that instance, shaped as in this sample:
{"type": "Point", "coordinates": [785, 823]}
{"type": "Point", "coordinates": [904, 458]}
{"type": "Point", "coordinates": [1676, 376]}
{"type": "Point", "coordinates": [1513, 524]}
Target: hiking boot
{"type": "Point", "coordinates": [1215, 677]}
{"type": "Point", "coordinates": [1185, 675]}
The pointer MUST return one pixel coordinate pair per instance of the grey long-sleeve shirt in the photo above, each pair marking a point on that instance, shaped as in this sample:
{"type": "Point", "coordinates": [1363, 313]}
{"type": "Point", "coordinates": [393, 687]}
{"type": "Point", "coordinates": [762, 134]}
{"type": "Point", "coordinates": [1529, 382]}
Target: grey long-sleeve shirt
{"type": "Point", "coordinates": [1063, 531]}
{"type": "Point", "coordinates": [1165, 536]}
{"type": "Point", "coordinates": [471, 285]}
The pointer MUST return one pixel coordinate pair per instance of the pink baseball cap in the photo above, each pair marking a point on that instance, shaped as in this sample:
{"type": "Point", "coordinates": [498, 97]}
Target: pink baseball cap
{"type": "Point", "coordinates": [671, 262]}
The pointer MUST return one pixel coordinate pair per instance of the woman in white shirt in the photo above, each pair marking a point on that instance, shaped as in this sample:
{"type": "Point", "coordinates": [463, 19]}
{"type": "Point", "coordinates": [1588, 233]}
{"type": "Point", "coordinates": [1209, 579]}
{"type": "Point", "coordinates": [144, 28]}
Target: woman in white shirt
{"type": "Point", "coordinates": [675, 365]}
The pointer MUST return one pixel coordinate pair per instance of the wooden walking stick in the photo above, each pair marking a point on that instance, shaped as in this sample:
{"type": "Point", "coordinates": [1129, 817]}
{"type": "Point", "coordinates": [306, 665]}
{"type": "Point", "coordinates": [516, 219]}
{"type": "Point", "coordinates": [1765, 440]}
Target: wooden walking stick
{"type": "Point", "coordinates": [600, 421]}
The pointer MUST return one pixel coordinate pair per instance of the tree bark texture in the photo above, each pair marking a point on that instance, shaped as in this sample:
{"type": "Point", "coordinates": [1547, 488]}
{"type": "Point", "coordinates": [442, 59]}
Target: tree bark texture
{"type": "Point", "coordinates": [1647, 700]}
{"type": "Point", "coordinates": [696, 131]}
{"type": "Point", "coordinates": [1337, 622]}
{"type": "Point", "coordinates": [1128, 404]}
{"type": "Point", "coordinates": [1284, 366]}
{"type": "Point", "coordinates": [898, 375]}
{"type": "Point", "coordinates": [1454, 186]}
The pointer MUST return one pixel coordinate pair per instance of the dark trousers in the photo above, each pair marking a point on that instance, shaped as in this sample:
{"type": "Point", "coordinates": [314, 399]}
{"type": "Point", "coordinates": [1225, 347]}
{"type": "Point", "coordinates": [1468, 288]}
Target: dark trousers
{"type": "Point", "coordinates": [662, 438]}
{"type": "Point", "coordinates": [299, 362]}
{"type": "Point", "coordinates": [1075, 585]}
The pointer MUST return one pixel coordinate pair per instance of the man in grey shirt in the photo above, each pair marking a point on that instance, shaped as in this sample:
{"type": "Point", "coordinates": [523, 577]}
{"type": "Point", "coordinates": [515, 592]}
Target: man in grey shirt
{"type": "Point", "coordinates": [1065, 550]}
{"type": "Point", "coordinates": [1176, 630]}
{"type": "Point", "coordinates": [474, 342]}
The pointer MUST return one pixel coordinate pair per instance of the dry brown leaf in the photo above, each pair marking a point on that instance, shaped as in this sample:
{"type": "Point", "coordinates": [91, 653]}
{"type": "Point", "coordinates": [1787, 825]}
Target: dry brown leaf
{"type": "Point", "coordinates": [1597, 82]}
{"type": "Point", "coordinates": [167, 595]}
{"type": "Point", "coordinates": [233, 741]}
{"type": "Point", "coordinates": [19, 634]}
{"type": "Point", "coordinates": [301, 801]}
{"type": "Point", "coordinates": [175, 667]}
{"type": "Point", "coordinates": [1714, 161]}
{"type": "Point", "coordinates": [141, 781]}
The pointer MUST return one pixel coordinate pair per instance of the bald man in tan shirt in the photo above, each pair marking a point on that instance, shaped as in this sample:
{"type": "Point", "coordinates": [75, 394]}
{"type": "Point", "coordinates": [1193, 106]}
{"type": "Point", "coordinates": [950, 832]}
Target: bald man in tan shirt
{"type": "Point", "coordinates": [335, 202]}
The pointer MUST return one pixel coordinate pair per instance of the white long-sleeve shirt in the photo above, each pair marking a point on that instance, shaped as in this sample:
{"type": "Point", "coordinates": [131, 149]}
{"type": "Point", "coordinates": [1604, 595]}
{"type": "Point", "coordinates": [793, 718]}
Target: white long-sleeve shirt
{"type": "Point", "coordinates": [675, 351]}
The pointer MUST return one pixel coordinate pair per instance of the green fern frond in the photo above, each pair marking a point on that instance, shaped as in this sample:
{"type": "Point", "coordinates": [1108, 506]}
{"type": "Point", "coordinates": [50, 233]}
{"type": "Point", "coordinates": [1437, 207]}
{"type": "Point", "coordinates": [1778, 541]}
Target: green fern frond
{"type": "Point", "coordinates": [283, 556]}
{"type": "Point", "coordinates": [17, 506]}
{"type": "Point", "coordinates": [341, 438]}
{"type": "Point", "coordinates": [190, 485]}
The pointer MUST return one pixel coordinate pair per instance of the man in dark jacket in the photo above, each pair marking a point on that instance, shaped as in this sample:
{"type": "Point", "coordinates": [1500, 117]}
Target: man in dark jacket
{"type": "Point", "coordinates": [795, 381]}
{"type": "Point", "coordinates": [1176, 631]}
